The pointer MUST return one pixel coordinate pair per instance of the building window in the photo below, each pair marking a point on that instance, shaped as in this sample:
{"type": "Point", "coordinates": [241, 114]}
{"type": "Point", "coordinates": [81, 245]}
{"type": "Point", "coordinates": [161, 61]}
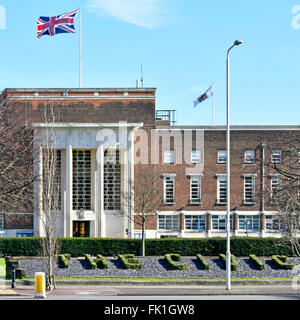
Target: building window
{"type": "Point", "coordinates": [195, 187]}
{"type": "Point", "coordinates": [249, 157]}
{"type": "Point", "coordinates": [1, 222]}
{"type": "Point", "coordinates": [168, 222]}
{"type": "Point", "coordinates": [249, 223]}
{"type": "Point", "coordinates": [276, 183]}
{"type": "Point", "coordinates": [219, 222]}
{"type": "Point", "coordinates": [112, 179]}
{"type": "Point", "coordinates": [169, 157]}
{"type": "Point", "coordinates": [249, 189]}
{"type": "Point", "coordinates": [82, 180]}
{"type": "Point", "coordinates": [169, 189]}
{"type": "Point", "coordinates": [24, 234]}
{"type": "Point", "coordinates": [274, 223]}
{"type": "Point", "coordinates": [196, 157]}
{"type": "Point", "coordinates": [195, 222]}
{"type": "Point", "coordinates": [222, 156]}
{"type": "Point", "coordinates": [222, 190]}
{"type": "Point", "coordinates": [138, 235]}
{"type": "Point", "coordinates": [276, 157]}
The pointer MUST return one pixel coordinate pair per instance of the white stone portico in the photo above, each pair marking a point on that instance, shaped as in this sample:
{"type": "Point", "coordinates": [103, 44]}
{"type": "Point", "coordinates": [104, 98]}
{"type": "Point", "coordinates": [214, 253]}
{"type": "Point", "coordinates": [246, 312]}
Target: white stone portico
{"type": "Point", "coordinates": [91, 140]}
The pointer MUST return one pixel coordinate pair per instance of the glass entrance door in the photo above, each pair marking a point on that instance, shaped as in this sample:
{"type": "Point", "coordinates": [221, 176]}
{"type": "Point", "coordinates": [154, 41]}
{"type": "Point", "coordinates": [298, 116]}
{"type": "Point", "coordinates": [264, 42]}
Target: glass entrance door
{"type": "Point", "coordinates": [81, 229]}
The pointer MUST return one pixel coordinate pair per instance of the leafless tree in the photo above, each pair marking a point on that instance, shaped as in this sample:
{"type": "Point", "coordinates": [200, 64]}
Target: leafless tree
{"type": "Point", "coordinates": [146, 194]}
{"type": "Point", "coordinates": [285, 194]}
{"type": "Point", "coordinates": [50, 182]}
{"type": "Point", "coordinates": [16, 158]}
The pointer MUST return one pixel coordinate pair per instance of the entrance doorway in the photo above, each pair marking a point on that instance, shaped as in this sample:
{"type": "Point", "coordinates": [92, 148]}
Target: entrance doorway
{"type": "Point", "coordinates": [81, 229]}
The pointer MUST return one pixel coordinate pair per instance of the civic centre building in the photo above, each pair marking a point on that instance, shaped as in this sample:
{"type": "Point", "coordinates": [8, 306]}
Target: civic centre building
{"type": "Point", "coordinates": [105, 138]}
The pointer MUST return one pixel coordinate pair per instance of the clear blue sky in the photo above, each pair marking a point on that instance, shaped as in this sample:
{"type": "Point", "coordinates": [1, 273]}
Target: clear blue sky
{"type": "Point", "coordinates": [182, 45]}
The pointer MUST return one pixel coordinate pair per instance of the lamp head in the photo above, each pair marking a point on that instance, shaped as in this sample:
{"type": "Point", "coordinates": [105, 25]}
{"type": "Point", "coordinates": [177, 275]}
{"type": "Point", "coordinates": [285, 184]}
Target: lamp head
{"type": "Point", "coordinates": [238, 42]}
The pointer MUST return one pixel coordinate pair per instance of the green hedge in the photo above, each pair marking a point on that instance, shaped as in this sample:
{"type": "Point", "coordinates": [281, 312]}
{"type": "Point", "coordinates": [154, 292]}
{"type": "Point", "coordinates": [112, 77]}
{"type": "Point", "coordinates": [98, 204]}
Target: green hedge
{"type": "Point", "coordinates": [257, 262]}
{"type": "Point", "coordinates": [222, 258]}
{"type": "Point", "coordinates": [91, 262]}
{"type": "Point", "coordinates": [240, 246]}
{"type": "Point", "coordinates": [280, 262]}
{"type": "Point", "coordinates": [129, 261]}
{"type": "Point", "coordinates": [63, 260]}
{"type": "Point", "coordinates": [203, 262]}
{"type": "Point", "coordinates": [171, 258]}
{"type": "Point", "coordinates": [101, 262]}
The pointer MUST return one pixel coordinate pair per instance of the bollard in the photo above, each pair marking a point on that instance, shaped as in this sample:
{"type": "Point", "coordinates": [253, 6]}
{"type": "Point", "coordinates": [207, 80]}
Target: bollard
{"type": "Point", "coordinates": [13, 278]}
{"type": "Point", "coordinates": [40, 285]}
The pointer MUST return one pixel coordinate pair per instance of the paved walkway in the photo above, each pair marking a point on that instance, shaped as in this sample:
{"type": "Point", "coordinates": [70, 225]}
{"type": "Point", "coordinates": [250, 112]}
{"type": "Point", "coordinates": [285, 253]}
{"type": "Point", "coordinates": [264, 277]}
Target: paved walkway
{"type": "Point", "coordinates": [153, 292]}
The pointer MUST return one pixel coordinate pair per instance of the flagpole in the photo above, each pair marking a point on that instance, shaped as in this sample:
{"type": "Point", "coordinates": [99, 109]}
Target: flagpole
{"type": "Point", "coordinates": [213, 104]}
{"type": "Point", "coordinates": [80, 51]}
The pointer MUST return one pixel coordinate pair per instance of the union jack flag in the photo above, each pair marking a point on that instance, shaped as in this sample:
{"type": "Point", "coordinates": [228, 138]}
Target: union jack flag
{"type": "Point", "coordinates": [63, 23]}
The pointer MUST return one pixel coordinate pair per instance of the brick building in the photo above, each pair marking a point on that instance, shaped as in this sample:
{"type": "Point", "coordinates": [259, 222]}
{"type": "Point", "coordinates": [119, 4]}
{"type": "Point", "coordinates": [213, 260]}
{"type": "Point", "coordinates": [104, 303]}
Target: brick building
{"type": "Point", "coordinates": [106, 137]}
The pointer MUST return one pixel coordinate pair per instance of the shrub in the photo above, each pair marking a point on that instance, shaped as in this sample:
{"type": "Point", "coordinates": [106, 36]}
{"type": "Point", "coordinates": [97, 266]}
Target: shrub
{"type": "Point", "coordinates": [203, 262]}
{"type": "Point", "coordinates": [240, 246]}
{"type": "Point", "coordinates": [171, 258]}
{"type": "Point", "coordinates": [101, 262]}
{"type": "Point", "coordinates": [260, 265]}
{"type": "Point", "coordinates": [129, 261]}
{"type": "Point", "coordinates": [91, 262]}
{"type": "Point", "coordinates": [222, 258]}
{"type": "Point", "coordinates": [62, 259]}
{"type": "Point", "coordinates": [280, 262]}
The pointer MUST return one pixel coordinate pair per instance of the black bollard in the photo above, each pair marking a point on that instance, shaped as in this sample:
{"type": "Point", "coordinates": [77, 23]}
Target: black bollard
{"type": "Point", "coordinates": [13, 279]}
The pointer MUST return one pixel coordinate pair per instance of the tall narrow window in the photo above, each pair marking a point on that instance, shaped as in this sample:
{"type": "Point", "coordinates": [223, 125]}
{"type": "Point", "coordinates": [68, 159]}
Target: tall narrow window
{"type": "Point", "coordinates": [52, 178]}
{"type": "Point", "coordinates": [82, 180]}
{"type": "Point", "coordinates": [276, 184]}
{"type": "Point", "coordinates": [249, 189]}
{"type": "Point", "coordinates": [1, 221]}
{"type": "Point", "coordinates": [112, 179]}
{"type": "Point", "coordinates": [169, 189]}
{"type": "Point", "coordinates": [195, 185]}
{"type": "Point", "coordinates": [222, 190]}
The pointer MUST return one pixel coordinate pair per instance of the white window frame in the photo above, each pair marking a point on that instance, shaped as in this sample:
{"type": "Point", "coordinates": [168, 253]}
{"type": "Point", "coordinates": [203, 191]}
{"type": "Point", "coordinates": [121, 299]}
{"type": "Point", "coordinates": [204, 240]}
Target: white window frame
{"type": "Point", "coordinates": [198, 199]}
{"type": "Point", "coordinates": [169, 157]}
{"type": "Point", "coordinates": [276, 156]}
{"type": "Point", "coordinates": [196, 157]}
{"type": "Point", "coordinates": [253, 219]}
{"type": "Point", "coordinates": [222, 154]}
{"type": "Point", "coordinates": [195, 222]}
{"type": "Point", "coordinates": [172, 177]}
{"type": "Point", "coordinates": [217, 219]}
{"type": "Point", "coordinates": [273, 178]}
{"type": "Point", "coordinates": [173, 220]}
{"type": "Point", "coordinates": [252, 176]}
{"type": "Point", "coordinates": [249, 156]}
{"type": "Point", "coordinates": [1, 221]}
{"type": "Point", "coordinates": [219, 178]}
{"type": "Point", "coordinates": [273, 220]}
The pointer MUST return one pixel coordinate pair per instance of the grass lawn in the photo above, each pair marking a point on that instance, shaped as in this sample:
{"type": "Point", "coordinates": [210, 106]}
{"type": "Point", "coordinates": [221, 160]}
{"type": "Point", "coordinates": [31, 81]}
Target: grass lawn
{"type": "Point", "coordinates": [161, 279]}
{"type": "Point", "coordinates": [2, 268]}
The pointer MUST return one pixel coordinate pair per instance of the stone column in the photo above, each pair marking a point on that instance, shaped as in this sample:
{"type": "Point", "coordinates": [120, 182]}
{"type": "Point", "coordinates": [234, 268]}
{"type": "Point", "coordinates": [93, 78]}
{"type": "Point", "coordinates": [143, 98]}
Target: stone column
{"type": "Point", "coordinates": [262, 220]}
{"type": "Point", "coordinates": [235, 223]}
{"type": "Point", "coordinates": [38, 193]}
{"type": "Point", "coordinates": [100, 204]}
{"type": "Point", "coordinates": [208, 224]}
{"type": "Point", "coordinates": [69, 188]}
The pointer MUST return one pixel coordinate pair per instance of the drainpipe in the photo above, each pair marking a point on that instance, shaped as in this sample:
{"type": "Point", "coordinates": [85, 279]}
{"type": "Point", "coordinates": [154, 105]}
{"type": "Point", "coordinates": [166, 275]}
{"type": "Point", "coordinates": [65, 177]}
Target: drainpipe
{"type": "Point", "coordinates": [262, 190]}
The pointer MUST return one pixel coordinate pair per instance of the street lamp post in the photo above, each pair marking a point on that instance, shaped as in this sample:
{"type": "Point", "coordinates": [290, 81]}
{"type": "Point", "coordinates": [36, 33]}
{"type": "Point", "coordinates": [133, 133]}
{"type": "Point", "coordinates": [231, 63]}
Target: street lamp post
{"type": "Point", "coordinates": [228, 254]}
